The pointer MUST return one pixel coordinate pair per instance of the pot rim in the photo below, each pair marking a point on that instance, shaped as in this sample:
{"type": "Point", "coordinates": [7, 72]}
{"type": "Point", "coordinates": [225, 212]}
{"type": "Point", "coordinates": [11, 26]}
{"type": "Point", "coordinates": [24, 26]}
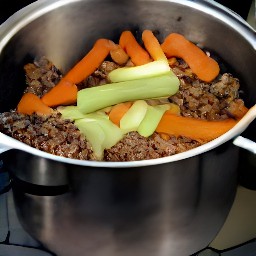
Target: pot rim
{"type": "Point", "coordinates": [31, 12]}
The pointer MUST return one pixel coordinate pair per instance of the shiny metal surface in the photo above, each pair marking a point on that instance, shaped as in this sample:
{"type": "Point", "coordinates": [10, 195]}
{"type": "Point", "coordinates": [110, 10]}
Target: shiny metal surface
{"type": "Point", "coordinates": [160, 207]}
{"type": "Point", "coordinates": [36, 170]}
{"type": "Point", "coordinates": [160, 210]}
{"type": "Point", "coordinates": [61, 31]}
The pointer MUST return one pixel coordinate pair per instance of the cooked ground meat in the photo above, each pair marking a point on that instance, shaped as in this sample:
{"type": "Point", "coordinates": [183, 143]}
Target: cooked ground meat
{"type": "Point", "coordinates": [204, 100]}
{"type": "Point", "coordinates": [50, 134]}
{"type": "Point", "coordinates": [41, 76]}
{"type": "Point", "coordinates": [136, 147]}
{"type": "Point", "coordinates": [100, 76]}
{"type": "Point", "coordinates": [216, 100]}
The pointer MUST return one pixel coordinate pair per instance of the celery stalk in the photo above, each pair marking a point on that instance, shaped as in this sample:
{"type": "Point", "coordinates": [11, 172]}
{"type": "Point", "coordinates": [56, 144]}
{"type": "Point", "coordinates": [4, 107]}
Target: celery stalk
{"type": "Point", "coordinates": [95, 98]}
{"type": "Point", "coordinates": [155, 68]}
{"type": "Point", "coordinates": [71, 113]}
{"type": "Point", "coordinates": [100, 132]}
{"type": "Point", "coordinates": [94, 134]}
{"type": "Point", "coordinates": [133, 117]}
{"type": "Point", "coordinates": [152, 119]}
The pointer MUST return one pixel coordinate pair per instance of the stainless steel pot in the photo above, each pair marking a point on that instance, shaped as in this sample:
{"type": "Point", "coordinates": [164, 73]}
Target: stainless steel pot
{"type": "Point", "coordinates": [169, 206]}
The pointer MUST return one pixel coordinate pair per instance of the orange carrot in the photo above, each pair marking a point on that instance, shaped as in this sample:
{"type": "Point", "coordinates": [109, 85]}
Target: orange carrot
{"type": "Point", "coordinates": [164, 136]}
{"type": "Point", "coordinates": [176, 45]}
{"type": "Point", "coordinates": [174, 109]}
{"type": "Point", "coordinates": [172, 61]}
{"type": "Point", "coordinates": [90, 62]}
{"type": "Point", "coordinates": [118, 55]}
{"type": "Point", "coordinates": [237, 109]}
{"type": "Point", "coordinates": [193, 128]}
{"type": "Point", "coordinates": [118, 111]}
{"type": "Point", "coordinates": [65, 92]}
{"type": "Point", "coordinates": [30, 103]}
{"type": "Point", "coordinates": [153, 46]}
{"type": "Point", "coordinates": [138, 55]}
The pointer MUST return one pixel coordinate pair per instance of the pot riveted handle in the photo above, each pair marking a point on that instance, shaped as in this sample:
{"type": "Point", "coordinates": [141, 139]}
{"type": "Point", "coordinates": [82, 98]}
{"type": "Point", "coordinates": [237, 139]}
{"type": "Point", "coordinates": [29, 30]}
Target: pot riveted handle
{"type": "Point", "coordinates": [3, 148]}
{"type": "Point", "coordinates": [245, 143]}
{"type": "Point", "coordinates": [5, 144]}
{"type": "Point", "coordinates": [242, 142]}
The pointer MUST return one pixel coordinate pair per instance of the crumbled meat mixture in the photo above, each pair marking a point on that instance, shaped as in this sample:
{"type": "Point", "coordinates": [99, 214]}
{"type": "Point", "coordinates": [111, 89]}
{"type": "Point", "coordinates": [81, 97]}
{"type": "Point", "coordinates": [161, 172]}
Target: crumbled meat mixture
{"type": "Point", "coordinates": [41, 76]}
{"type": "Point", "coordinates": [51, 134]}
{"type": "Point", "coordinates": [100, 76]}
{"type": "Point", "coordinates": [211, 101]}
{"type": "Point", "coordinates": [204, 100]}
{"type": "Point", "coordinates": [136, 147]}
{"type": "Point", "coordinates": [226, 88]}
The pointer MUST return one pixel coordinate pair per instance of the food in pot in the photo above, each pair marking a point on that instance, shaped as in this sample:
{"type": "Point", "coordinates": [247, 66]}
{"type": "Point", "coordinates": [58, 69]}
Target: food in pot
{"type": "Point", "coordinates": [126, 102]}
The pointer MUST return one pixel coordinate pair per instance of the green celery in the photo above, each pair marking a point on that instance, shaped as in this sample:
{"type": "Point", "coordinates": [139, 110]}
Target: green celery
{"type": "Point", "coordinates": [155, 68]}
{"type": "Point", "coordinates": [100, 132]}
{"type": "Point", "coordinates": [96, 98]}
{"type": "Point", "coordinates": [94, 134]}
{"type": "Point", "coordinates": [71, 112]}
{"type": "Point", "coordinates": [152, 119]}
{"type": "Point", "coordinates": [133, 117]}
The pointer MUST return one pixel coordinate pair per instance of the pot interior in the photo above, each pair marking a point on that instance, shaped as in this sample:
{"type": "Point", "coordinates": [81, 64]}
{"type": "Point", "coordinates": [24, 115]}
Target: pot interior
{"type": "Point", "coordinates": [65, 32]}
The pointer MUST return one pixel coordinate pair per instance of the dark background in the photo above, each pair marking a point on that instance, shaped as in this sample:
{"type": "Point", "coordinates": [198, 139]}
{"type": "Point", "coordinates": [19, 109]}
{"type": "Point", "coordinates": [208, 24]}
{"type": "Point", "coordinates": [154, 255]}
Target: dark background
{"type": "Point", "coordinates": [8, 7]}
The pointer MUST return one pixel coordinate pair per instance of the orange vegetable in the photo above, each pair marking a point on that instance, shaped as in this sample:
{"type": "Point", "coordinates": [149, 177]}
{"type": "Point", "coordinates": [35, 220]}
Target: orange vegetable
{"type": "Point", "coordinates": [65, 92]}
{"type": "Point", "coordinates": [30, 103]}
{"type": "Point", "coordinates": [172, 61]}
{"type": "Point", "coordinates": [174, 109]}
{"type": "Point", "coordinates": [118, 55]}
{"type": "Point", "coordinates": [153, 46]}
{"type": "Point", "coordinates": [193, 128]}
{"type": "Point", "coordinates": [91, 61]}
{"type": "Point", "coordinates": [118, 111]}
{"type": "Point", "coordinates": [237, 109]}
{"type": "Point", "coordinates": [176, 45]}
{"type": "Point", "coordinates": [164, 136]}
{"type": "Point", "coordinates": [138, 55]}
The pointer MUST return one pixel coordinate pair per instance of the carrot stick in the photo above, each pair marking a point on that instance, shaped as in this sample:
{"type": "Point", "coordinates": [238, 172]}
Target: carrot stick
{"type": "Point", "coordinates": [138, 55]}
{"type": "Point", "coordinates": [153, 46]}
{"type": "Point", "coordinates": [30, 103]}
{"type": "Point", "coordinates": [176, 45]}
{"type": "Point", "coordinates": [65, 92]}
{"type": "Point", "coordinates": [90, 62]}
{"type": "Point", "coordinates": [193, 128]}
{"type": "Point", "coordinates": [237, 109]}
{"type": "Point", "coordinates": [118, 111]}
{"type": "Point", "coordinates": [118, 55]}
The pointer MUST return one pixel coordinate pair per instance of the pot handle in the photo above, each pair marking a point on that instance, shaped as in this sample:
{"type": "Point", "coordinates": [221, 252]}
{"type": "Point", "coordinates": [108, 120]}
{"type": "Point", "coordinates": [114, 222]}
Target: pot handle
{"type": "Point", "coordinates": [5, 143]}
{"type": "Point", "coordinates": [3, 148]}
{"type": "Point", "coordinates": [242, 142]}
{"type": "Point", "coordinates": [245, 143]}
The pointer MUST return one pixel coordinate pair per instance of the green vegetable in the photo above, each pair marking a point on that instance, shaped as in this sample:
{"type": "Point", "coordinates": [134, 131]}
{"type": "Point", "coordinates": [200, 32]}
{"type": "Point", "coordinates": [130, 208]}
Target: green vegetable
{"type": "Point", "coordinates": [71, 113]}
{"type": "Point", "coordinates": [95, 98]}
{"type": "Point", "coordinates": [133, 117]}
{"type": "Point", "coordinates": [152, 119]}
{"type": "Point", "coordinates": [94, 134]}
{"type": "Point", "coordinates": [97, 128]}
{"type": "Point", "coordinates": [100, 132]}
{"type": "Point", "coordinates": [155, 68]}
